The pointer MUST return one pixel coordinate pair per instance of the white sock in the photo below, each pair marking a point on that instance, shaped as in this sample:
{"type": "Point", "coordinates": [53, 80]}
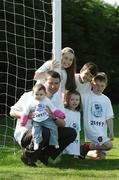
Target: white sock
{"type": "Point", "coordinates": [56, 146]}
{"type": "Point", "coordinates": [36, 146]}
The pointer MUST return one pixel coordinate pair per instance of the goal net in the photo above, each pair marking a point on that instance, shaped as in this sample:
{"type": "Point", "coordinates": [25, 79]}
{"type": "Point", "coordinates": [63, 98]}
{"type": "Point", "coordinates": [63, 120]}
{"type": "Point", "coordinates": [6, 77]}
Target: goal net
{"type": "Point", "coordinates": [25, 43]}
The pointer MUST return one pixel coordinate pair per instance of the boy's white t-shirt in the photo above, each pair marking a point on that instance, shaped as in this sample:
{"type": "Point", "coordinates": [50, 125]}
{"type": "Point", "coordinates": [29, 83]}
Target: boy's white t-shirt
{"type": "Point", "coordinates": [73, 120]}
{"type": "Point", "coordinates": [47, 67]}
{"type": "Point", "coordinates": [39, 108]}
{"type": "Point", "coordinates": [82, 87]}
{"type": "Point", "coordinates": [97, 109]}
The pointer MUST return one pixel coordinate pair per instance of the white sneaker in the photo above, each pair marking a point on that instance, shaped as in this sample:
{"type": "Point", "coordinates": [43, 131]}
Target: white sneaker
{"type": "Point", "coordinates": [56, 146]}
{"type": "Point", "coordinates": [36, 146]}
{"type": "Point", "coordinates": [76, 156]}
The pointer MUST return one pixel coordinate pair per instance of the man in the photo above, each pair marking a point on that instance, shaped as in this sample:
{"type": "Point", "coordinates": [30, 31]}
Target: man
{"type": "Point", "coordinates": [23, 134]}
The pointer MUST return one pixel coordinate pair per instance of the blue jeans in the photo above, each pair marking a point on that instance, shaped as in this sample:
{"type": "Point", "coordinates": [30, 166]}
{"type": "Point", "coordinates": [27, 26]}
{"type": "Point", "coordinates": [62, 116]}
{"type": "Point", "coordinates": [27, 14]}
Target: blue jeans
{"type": "Point", "coordinates": [37, 131]}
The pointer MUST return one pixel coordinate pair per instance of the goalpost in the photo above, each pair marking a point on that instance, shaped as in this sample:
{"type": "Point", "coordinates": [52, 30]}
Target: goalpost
{"type": "Point", "coordinates": [57, 31]}
{"type": "Point", "coordinates": [30, 33]}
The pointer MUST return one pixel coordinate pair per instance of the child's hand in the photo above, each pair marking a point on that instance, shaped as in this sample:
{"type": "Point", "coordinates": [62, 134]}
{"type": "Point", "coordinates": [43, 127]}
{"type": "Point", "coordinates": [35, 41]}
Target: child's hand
{"type": "Point", "coordinates": [55, 64]}
{"type": "Point", "coordinates": [31, 115]}
{"type": "Point", "coordinates": [49, 112]}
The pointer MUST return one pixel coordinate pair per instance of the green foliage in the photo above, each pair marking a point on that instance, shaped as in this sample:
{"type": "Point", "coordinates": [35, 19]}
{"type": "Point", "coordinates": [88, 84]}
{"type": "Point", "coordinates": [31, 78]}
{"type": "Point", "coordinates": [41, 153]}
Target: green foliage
{"type": "Point", "coordinates": [64, 167]}
{"type": "Point", "coordinates": [91, 29]}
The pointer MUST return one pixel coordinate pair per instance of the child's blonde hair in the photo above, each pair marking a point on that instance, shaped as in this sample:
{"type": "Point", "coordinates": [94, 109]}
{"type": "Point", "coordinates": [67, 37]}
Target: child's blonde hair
{"type": "Point", "coordinates": [71, 70]}
{"type": "Point", "coordinates": [67, 97]}
{"type": "Point", "coordinates": [67, 49]}
{"type": "Point", "coordinates": [101, 76]}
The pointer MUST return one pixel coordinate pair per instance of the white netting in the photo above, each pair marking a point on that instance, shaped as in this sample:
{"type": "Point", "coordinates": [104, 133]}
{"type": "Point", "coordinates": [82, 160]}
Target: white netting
{"type": "Point", "coordinates": [25, 43]}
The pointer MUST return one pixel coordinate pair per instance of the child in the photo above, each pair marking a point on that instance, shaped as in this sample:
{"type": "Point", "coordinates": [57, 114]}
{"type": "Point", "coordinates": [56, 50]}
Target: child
{"type": "Point", "coordinates": [83, 79]}
{"type": "Point", "coordinates": [68, 67]}
{"type": "Point", "coordinates": [83, 84]}
{"type": "Point", "coordinates": [72, 112]}
{"type": "Point", "coordinates": [98, 116]}
{"type": "Point", "coordinates": [40, 104]}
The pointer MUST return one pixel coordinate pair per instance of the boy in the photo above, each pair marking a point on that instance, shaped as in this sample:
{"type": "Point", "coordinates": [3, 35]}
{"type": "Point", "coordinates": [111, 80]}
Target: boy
{"type": "Point", "coordinates": [83, 84]}
{"type": "Point", "coordinates": [83, 79]}
{"type": "Point", "coordinates": [98, 116]}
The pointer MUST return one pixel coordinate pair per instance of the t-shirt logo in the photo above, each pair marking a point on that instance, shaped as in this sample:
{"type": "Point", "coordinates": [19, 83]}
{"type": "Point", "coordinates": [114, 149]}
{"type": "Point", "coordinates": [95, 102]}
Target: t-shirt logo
{"type": "Point", "coordinates": [40, 113]}
{"type": "Point", "coordinates": [75, 126]}
{"type": "Point", "coordinates": [40, 107]}
{"type": "Point", "coordinates": [96, 109]}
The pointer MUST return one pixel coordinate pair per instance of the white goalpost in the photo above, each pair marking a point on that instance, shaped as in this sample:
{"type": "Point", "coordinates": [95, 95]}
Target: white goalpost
{"type": "Point", "coordinates": [30, 35]}
{"type": "Point", "coordinates": [57, 31]}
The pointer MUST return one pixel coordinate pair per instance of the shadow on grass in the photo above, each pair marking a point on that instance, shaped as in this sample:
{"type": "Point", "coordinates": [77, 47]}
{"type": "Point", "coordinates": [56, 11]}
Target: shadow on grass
{"type": "Point", "coordinates": [72, 163]}
{"type": "Point", "coordinates": [8, 158]}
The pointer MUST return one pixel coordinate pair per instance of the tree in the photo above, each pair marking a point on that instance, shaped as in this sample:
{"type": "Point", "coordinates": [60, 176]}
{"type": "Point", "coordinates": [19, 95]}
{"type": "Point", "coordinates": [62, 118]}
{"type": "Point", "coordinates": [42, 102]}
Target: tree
{"type": "Point", "coordinates": [91, 29]}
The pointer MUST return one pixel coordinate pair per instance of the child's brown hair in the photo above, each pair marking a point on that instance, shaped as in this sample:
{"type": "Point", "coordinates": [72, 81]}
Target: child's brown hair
{"type": "Point", "coordinates": [67, 97]}
{"type": "Point", "coordinates": [70, 71]}
{"type": "Point", "coordinates": [101, 76]}
{"type": "Point", "coordinates": [39, 87]}
{"type": "Point", "coordinates": [92, 67]}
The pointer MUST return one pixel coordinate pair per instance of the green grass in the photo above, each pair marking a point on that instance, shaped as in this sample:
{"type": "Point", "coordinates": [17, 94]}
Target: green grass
{"type": "Point", "coordinates": [65, 167]}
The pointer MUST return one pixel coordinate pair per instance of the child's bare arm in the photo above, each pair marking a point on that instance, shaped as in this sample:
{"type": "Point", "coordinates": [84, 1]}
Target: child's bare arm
{"type": "Point", "coordinates": [110, 128]}
{"type": "Point", "coordinates": [39, 75]}
{"type": "Point", "coordinates": [55, 64]}
{"type": "Point", "coordinates": [58, 121]}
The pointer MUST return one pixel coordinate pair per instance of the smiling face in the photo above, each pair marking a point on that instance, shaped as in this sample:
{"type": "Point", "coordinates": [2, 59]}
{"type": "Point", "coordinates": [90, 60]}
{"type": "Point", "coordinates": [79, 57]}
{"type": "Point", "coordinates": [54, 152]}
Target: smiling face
{"type": "Point", "coordinates": [74, 101]}
{"type": "Point", "coordinates": [67, 60]}
{"type": "Point", "coordinates": [52, 85]}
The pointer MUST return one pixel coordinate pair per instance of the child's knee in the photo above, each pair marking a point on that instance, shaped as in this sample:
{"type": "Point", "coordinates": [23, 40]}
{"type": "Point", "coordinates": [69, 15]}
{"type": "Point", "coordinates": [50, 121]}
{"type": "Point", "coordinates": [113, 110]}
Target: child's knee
{"type": "Point", "coordinates": [109, 145]}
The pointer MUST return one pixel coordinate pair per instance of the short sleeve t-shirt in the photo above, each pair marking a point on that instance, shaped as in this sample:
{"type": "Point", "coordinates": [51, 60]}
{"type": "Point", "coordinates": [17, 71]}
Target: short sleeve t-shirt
{"type": "Point", "coordinates": [97, 109]}
{"type": "Point", "coordinates": [73, 120]}
{"type": "Point", "coordinates": [39, 108]}
{"type": "Point", "coordinates": [82, 87]}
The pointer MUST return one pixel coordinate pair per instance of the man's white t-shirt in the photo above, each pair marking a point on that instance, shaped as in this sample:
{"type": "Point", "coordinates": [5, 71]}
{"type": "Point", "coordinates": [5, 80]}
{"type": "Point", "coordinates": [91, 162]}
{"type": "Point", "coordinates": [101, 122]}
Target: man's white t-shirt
{"type": "Point", "coordinates": [97, 109]}
{"type": "Point", "coordinates": [20, 130]}
{"type": "Point", "coordinates": [82, 87]}
{"type": "Point", "coordinates": [57, 101]}
{"type": "Point", "coordinates": [47, 67]}
{"type": "Point", "coordinates": [73, 120]}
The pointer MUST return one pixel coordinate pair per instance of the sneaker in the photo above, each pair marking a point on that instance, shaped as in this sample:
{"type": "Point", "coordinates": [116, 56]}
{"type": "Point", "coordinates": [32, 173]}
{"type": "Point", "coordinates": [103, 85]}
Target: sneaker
{"type": "Point", "coordinates": [44, 159]}
{"type": "Point", "coordinates": [32, 154]}
{"type": "Point", "coordinates": [76, 156]}
{"type": "Point", "coordinates": [84, 150]}
{"type": "Point", "coordinates": [36, 146]}
{"type": "Point", "coordinates": [27, 161]}
{"type": "Point", "coordinates": [57, 146]}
